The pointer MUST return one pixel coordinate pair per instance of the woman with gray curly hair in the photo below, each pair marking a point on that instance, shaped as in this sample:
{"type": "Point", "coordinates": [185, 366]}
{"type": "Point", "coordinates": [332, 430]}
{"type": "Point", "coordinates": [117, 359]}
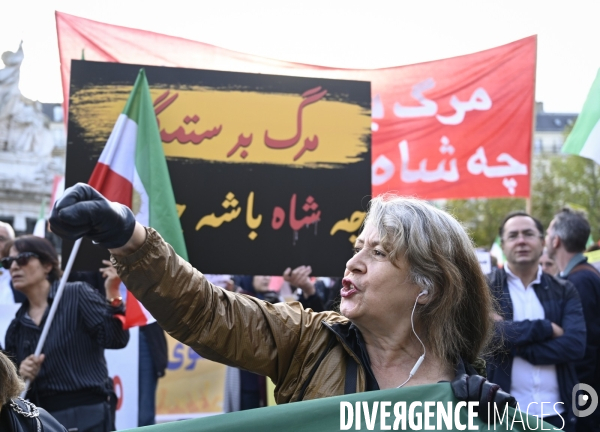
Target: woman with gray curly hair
{"type": "Point", "coordinates": [415, 306]}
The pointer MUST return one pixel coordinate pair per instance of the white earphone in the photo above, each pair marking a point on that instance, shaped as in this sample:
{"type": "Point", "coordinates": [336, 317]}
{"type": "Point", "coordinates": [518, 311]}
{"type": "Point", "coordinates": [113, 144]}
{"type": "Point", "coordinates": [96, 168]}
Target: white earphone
{"type": "Point", "coordinates": [412, 323]}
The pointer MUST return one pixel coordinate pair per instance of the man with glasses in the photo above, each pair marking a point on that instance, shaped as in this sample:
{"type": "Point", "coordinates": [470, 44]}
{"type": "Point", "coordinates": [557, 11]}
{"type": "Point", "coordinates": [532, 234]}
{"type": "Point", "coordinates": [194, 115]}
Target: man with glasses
{"type": "Point", "coordinates": [540, 325]}
{"type": "Point", "coordinates": [566, 238]}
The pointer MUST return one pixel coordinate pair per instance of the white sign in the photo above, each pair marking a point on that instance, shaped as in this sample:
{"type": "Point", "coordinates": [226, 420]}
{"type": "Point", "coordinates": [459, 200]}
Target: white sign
{"type": "Point", "coordinates": [123, 365]}
{"type": "Point", "coordinates": [485, 261]}
{"type": "Point", "coordinates": [7, 314]}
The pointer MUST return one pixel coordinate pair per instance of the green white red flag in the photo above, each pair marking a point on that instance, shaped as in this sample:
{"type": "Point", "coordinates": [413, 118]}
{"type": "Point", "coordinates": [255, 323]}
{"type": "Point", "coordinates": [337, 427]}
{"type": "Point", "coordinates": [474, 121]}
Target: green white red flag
{"type": "Point", "coordinates": [132, 170]}
{"type": "Point", "coordinates": [496, 250]}
{"type": "Point", "coordinates": [584, 139]}
{"type": "Point", "coordinates": [39, 230]}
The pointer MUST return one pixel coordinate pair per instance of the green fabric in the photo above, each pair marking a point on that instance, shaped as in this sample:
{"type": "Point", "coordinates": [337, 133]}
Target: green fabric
{"type": "Point", "coordinates": [324, 414]}
{"type": "Point", "coordinates": [497, 251]}
{"type": "Point", "coordinates": [590, 241]}
{"type": "Point", "coordinates": [43, 209]}
{"type": "Point", "coordinates": [151, 166]}
{"type": "Point", "coordinates": [584, 139]}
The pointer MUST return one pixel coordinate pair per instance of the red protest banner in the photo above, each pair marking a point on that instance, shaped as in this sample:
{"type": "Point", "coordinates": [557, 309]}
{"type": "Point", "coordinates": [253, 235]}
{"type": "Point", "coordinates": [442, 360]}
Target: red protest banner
{"type": "Point", "coordinates": [456, 128]}
{"type": "Point", "coordinates": [453, 128]}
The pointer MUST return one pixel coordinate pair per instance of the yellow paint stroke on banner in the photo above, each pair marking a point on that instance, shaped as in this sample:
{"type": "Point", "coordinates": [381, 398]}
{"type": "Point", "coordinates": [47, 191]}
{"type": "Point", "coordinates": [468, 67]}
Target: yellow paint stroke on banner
{"type": "Point", "coordinates": [238, 127]}
{"type": "Point", "coordinates": [191, 385]}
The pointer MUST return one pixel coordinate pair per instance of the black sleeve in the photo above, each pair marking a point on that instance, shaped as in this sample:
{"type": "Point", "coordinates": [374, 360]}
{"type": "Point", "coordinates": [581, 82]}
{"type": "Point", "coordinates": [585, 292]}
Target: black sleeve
{"type": "Point", "coordinates": [157, 342]}
{"type": "Point", "coordinates": [313, 302]}
{"type": "Point", "coordinates": [588, 287]}
{"type": "Point", "coordinates": [100, 319]}
{"type": "Point", "coordinates": [568, 347]}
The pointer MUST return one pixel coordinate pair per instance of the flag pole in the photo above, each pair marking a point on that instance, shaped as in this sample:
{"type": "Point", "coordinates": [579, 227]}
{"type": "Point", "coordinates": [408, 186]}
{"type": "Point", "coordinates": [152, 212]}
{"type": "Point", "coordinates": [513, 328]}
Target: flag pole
{"type": "Point", "coordinates": [59, 292]}
{"type": "Point", "coordinates": [532, 149]}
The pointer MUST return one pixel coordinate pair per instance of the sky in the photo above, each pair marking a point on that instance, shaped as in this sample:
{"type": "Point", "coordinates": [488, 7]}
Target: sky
{"type": "Point", "coordinates": [348, 33]}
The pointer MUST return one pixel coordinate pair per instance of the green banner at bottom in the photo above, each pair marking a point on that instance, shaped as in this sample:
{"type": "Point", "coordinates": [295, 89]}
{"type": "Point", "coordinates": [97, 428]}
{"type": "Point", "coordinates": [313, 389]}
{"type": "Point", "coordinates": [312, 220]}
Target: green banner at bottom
{"type": "Point", "coordinates": [427, 407]}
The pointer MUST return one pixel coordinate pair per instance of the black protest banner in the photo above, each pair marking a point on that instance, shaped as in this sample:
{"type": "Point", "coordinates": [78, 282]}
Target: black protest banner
{"type": "Point", "coordinates": [268, 171]}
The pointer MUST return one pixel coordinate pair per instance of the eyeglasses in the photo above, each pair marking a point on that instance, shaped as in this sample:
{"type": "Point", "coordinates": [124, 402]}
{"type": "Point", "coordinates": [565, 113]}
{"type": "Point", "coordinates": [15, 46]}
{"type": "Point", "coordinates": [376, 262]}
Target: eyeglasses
{"type": "Point", "coordinates": [21, 259]}
{"type": "Point", "coordinates": [527, 236]}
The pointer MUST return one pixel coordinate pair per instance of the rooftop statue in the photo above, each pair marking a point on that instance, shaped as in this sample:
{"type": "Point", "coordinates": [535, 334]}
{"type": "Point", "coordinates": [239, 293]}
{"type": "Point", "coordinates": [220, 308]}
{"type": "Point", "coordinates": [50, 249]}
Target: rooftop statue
{"type": "Point", "coordinates": [9, 77]}
{"type": "Point", "coordinates": [23, 127]}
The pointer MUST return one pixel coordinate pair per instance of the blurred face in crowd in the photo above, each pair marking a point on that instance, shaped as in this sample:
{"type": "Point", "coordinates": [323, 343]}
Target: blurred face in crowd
{"type": "Point", "coordinates": [550, 236]}
{"type": "Point", "coordinates": [28, 275]}
{"type": "Point", "coordinates": [261, 283]}
{"type": "Point", "coordinates": [4, 238]}
{"type": "Point", "coordinates": [522, 242]}
{"type": "Point", "coordinates": [548, 264]}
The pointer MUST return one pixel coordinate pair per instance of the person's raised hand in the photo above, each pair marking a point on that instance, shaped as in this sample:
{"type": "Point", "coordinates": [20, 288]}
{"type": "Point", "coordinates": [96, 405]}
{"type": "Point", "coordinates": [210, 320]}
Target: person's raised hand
{"type": "Point", "coordinates": [300, 277]}
{"type": "Point", "coordinates": [83, 211]}
{"type": "Point", "coordinates": [111, 279]}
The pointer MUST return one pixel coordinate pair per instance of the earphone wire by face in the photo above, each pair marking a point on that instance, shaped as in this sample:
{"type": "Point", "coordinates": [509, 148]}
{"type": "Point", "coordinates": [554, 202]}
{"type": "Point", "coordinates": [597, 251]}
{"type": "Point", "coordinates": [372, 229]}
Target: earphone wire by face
{"type": "Point", "coordinates": [412, 323]}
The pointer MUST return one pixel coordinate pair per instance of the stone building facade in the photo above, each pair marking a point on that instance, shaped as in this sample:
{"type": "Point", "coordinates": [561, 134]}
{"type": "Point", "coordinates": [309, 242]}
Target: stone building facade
{"type": "Point", "coordinates": [32, 149]}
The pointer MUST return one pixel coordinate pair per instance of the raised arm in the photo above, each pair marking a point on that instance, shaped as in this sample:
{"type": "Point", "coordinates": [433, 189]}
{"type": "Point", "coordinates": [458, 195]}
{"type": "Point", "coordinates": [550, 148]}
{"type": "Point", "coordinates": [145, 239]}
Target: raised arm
{"type": "Point", "coordinates": [225, 327]}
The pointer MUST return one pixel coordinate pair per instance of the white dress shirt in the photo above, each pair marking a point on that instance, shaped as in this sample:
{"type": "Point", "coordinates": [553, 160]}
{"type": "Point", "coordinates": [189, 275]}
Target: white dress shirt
{"type": "Point", "coordinates": [531, 384]}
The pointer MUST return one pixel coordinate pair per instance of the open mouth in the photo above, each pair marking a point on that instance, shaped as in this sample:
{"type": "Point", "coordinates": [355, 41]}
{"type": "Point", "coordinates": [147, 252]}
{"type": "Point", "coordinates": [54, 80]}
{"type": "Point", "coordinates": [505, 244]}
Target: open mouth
{"type": "Point", "coordinates": [348, 288]}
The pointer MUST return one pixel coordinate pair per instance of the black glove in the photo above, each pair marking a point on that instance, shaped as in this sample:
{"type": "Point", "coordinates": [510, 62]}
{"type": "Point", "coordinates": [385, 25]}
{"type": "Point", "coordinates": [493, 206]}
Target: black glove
{"type": "Point", "coordinates": [83, 211]}
{"type": "Point", "coordinates": [468, 386]}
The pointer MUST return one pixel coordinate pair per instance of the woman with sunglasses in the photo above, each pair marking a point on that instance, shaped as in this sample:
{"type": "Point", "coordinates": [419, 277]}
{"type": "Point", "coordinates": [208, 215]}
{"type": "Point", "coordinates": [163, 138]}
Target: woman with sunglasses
{"type": "Point", "coordinates": [70, 378]}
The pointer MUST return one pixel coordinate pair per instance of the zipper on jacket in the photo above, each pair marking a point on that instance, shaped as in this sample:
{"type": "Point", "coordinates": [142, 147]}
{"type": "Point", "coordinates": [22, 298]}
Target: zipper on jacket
{"type": "Point", "coordinates": [345, 345]}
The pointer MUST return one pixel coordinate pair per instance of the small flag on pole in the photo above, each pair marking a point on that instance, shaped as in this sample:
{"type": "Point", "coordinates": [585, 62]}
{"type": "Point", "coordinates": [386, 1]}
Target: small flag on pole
{"type": "Point", "coordinates": [584, 139]}
{"type": "Point", "coordinates": [58, 188]}
{"type": "Point", "coordinates": [590, 242]}
{"type": "Point", "coordinates": [497, 252]}
{"type": "Point", "coordinates": [40, 226]}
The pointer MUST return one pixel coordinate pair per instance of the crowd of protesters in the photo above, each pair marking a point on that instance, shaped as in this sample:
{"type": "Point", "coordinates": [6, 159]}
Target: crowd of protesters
{"type": "Point", "coordinates": [546, 326]}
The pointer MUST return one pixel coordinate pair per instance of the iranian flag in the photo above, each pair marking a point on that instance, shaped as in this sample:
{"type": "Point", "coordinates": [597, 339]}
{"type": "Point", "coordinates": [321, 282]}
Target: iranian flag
{"type": "Point", "coordinates": [132, 170]}
{"type": "Point", "coordinates": [584, 139]}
